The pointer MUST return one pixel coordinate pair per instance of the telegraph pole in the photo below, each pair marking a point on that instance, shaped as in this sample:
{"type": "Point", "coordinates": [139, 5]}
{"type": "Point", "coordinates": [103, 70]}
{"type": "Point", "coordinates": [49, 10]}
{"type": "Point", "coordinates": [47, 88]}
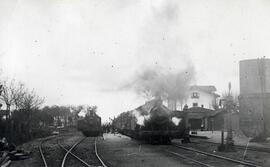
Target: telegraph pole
{"type": "Point", "coordinates": [1, 89]}
{"type": "Point", "coordinates": [229, 107]}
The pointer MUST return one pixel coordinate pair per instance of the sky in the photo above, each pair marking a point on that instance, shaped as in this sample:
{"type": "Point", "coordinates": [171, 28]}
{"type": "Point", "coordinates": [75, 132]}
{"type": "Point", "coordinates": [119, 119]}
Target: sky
{"type": "Point", "coordinates": [84, 51]}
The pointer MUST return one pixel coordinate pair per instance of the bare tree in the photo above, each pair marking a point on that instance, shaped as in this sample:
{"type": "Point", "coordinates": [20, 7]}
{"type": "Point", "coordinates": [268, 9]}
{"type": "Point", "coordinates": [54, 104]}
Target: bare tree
{"type": "Point", "coordinates": [29, 103]}
{"type": "Point", "coordinates": [230, 97]}
{"type": "Point", "coordinates": [8, 95]}
{"type": "Point", "coordinates": [19, 94]}
{"type": "Point", "coordinates": [91, 110]}
{"type": "Point", "coordinates": [77, 109]}
{"type": "Point", "coordinates": [11, 94]}
{"type": "Point", "coordinates": [29, 100]}
{"type": "Point", "coordinates": [20, 104]}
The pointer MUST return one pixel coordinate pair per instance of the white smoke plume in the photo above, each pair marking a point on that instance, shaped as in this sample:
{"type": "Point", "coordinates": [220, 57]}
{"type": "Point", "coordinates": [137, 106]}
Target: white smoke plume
{"type": "Point", "coordinates": [176, 120]}
{"type": "Point", "coordinates": [163, 84]}
{"type": "Point", "coordinates": [140, 118]}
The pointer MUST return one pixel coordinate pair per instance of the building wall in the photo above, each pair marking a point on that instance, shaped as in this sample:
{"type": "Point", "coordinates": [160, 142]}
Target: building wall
{"type": "Point", "coordinates": [223, 121]}
{"type": "Point", "coordinates": [199, 119]}
{"type": "Point", "coordinates": [206, 99]}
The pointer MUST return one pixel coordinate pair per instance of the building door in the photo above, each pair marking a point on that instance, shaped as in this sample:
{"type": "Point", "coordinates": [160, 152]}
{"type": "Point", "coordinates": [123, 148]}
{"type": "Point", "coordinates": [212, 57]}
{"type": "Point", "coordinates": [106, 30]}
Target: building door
{"type": "Point", "coordinates": [195, 124]}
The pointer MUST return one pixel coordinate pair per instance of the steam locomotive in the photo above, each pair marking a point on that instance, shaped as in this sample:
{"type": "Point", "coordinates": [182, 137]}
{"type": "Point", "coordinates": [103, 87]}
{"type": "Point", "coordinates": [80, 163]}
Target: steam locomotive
{"type": "Point", "coordinates": [90, 125]}
{"type": "Point", "coordinates": [153, 123]}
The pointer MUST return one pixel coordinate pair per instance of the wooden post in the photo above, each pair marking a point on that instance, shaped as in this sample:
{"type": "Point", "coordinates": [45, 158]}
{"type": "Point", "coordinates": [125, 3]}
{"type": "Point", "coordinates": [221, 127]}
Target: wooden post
{"type": "Point", "coordinates": [222, 137]}
{"type": "Point", "coordinates": [221, 147]}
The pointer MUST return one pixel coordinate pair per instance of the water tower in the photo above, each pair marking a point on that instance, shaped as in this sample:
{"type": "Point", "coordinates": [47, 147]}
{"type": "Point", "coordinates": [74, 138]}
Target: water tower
{"type": "Point", "coordinates": [254, 99]}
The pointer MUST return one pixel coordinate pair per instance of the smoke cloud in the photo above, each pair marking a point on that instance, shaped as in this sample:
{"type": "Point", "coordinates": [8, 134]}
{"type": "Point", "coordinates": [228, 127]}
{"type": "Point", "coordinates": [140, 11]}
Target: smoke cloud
{"type": "Point", "coordinates": [140, 118]}
{"type": "Point", "coordinates": [143, 115]}
{"type": "Point", "coordinates": [165, 69]}
{"type": "Point", "coordinates": [163, 84]}
{"type": "Point", "coordinates": [160, 42]}
{"type": "Point", "coordinates": [176, 120]}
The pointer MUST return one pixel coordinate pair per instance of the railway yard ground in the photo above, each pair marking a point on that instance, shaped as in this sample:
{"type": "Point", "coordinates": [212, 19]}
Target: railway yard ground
{"type": "Point", "coordinates": [116, 150]}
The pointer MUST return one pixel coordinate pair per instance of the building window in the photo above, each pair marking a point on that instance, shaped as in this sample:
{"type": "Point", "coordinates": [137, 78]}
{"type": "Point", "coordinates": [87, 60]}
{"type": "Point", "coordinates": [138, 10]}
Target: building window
{"type": "Point", "coordinates": [195, 95]}
{"type": "Point", "coordinates": [195, 104]}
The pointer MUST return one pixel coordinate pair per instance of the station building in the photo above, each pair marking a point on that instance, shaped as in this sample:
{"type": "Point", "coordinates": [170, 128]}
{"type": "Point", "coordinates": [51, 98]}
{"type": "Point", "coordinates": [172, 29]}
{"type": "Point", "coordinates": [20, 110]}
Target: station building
{"type": "Point", "coordinates": [197, 96]}
{"type": "Point", "coordinates": [200, 107]}
{"type": "Point", "coordinates": [203, 97]}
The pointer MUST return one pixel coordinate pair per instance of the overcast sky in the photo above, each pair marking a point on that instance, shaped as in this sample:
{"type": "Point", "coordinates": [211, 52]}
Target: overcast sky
{"type": "Point", "coordinates": [83, 51]}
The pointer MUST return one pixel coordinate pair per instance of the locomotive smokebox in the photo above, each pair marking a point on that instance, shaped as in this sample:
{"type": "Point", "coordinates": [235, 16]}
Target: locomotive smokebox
{"type": "Point", "coordinates": [254, 99]}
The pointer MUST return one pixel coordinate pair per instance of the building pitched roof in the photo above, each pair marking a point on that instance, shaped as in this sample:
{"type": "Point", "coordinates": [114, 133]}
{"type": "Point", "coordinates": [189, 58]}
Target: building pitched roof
{"type": "Point", "coordinates": [149, 105]}
{"type": "Point", "coordinates": [196, 113]}
{"type": "Point", "coordinates": [199, 109]}
{"type": "Point", "coordinates": [206, 88]}
{"type": "Point", "coordinates": [204, 112]}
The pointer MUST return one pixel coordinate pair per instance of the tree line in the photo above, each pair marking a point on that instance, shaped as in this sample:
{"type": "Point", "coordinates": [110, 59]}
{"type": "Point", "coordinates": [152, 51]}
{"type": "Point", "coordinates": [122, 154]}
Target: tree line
{"type": "Point", "coordinates": [22, 116]}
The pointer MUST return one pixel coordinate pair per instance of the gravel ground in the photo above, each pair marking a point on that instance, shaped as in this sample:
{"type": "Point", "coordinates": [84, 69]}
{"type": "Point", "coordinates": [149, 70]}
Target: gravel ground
{"type": "Point", "coordinates": [52, 152]}
{"type": "Point", "coordinates": [121, 151]}
{"type": "Point", "coordinates": [201, 158]}
{"type": "Point", "coordinates": [238, 137]}
{"type": "Point", "coordinates": [86, 151]}
{"type": "Point", "coordinates": [34, 159]}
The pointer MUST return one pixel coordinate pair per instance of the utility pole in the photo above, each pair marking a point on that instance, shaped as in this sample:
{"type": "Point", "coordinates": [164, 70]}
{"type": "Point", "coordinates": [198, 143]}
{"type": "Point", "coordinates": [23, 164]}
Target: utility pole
{"type": "Point", "coordinates": [1, 89]}
{"type": "Point", "coordinates": [230, 109]}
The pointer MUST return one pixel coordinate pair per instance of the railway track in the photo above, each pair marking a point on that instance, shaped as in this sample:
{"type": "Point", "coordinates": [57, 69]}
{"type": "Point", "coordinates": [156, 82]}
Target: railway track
{"type": "Point", "coordinates": [251, 148]}
{"type": "Point", "coordinates": [207, 154]}
{"type": "Point", "coordinates": [41, 151]}
{"type": "Point", "coordinates": [69, 150]}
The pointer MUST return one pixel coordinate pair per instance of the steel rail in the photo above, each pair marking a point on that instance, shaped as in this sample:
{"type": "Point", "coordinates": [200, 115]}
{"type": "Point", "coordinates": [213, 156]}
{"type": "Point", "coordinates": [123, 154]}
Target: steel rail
{"type": "Point", "coordinates": [104, 165]}
{"type": "Point", "coordinates": [69, 151]}
{"type": "Point", "coordinates": [191, 159]}
{"type": "Point", "coordinates": [41, 151]}
{"type": "Point", "coordinates": [82, 161]}
{"type": "Point", "coordinates": [42, 156]}
{"type": "Point", "coordinates": [218, 156]}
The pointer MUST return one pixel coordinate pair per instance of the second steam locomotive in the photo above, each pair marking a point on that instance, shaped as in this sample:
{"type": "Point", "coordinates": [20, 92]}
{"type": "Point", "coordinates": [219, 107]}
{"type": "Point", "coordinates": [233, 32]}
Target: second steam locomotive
{"type": "Point", "coordinates": [152, 122]}
{"type": "Point", "coordinates": [90, 125]}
